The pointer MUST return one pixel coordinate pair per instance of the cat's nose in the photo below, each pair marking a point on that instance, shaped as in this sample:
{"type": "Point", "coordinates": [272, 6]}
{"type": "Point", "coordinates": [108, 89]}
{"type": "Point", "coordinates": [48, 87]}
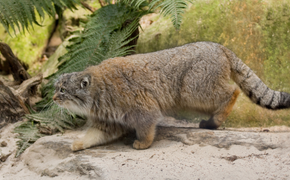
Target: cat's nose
{"type": "Point", "coordinates": [54, 97]}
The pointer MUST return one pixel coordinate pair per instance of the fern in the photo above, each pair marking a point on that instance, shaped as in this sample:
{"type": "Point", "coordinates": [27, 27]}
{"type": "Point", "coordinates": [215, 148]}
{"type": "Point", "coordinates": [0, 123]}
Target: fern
{"type": "Point", "coordinates": [138, 4]}
{"type": "Point", "coordinates": [44, 123]}
{"type": "Point", "coordinates": [28, 134]}
{"type": "Point", "coordinates": [54, 120]}
{"type": "Point", "coordinates": [20, 14]}
{"type": "Point", "coordinates": [172, 8]}
{"type": "Point", "coordinates": [92, 46]}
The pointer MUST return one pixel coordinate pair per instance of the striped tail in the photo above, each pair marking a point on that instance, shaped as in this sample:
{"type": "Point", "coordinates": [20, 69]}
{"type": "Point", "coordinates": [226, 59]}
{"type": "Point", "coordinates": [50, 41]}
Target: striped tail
{"type": "Point", "coordinates": [254, 87]}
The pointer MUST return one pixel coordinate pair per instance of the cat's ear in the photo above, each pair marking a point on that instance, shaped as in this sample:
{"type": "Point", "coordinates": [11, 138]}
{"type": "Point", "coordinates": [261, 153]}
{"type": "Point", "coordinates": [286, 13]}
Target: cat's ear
{"type": "Point", "coordinates": [85, 81]}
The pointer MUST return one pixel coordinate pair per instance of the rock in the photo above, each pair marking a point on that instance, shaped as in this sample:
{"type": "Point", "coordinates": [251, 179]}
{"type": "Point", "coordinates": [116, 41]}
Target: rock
{"type": "Point", "coordinates": [3, 144]}
{"type": "Point", "coordinates": [51, 156]}
{"type": "Point", "coordinates": [3, 157]}
{"type": "Point", "coordinates": [178, 152]}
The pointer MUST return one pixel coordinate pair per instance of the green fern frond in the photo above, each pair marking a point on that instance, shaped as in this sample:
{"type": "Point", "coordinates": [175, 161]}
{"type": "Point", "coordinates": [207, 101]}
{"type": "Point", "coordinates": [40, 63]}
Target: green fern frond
{"type": "Point", "coordinates": [93, 45]}
{"type": "Point", "coordinates": [172, 8]}
{"type": "Point", "coordinates": [19, 15]}
{"type": "Point", "coordinates": [44, 123]}
{"type": "Point", "coordinates": [138, 4]}
{"type": "Point", "coordinates": [22, 146]}
{"type": "Point", "coordinates": [28, 131]}
{"type": "Point", "coordinates": [28, 134]}
{"type": "Point", "coordinates": [55, 119]}
{"type": "Point", "coordinates": [116, 47]}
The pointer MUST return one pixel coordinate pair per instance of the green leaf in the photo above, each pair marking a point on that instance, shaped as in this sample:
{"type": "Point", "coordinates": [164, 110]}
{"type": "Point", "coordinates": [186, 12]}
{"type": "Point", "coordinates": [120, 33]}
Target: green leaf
{"type": "Point", "coordinates": [19, 15]}
{"type": "Point", "coordinates": [53, 120]}
{"type": "Point", "coordinates": [28, 134]}
{"type": "Point", "coordinates": [173, 8]}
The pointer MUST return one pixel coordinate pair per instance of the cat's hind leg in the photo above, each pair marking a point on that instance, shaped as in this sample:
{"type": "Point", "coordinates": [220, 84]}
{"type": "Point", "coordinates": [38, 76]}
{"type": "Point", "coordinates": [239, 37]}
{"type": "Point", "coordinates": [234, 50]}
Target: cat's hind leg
{"type": "Point", "coordinates": [221, 114]}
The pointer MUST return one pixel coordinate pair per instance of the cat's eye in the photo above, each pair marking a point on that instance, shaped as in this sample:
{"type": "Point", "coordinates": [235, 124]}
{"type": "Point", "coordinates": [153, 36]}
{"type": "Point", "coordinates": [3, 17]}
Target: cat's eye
{"type": "Point", "coordinates": [85, 82]}
{"type": "Point", "coordinates": [62, 90]}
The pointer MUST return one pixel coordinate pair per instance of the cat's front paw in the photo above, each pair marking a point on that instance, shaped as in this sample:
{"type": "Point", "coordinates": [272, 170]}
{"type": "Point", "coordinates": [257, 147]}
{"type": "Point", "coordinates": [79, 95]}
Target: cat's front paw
{"type": "Point", "coordinates": [141, 145]}
{"type": "Point", "coordinates": [77, 145]}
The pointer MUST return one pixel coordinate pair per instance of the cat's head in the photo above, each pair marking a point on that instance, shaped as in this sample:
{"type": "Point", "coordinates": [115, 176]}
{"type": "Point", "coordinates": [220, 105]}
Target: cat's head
{"type": "Point", "coordinates": [72, 91]}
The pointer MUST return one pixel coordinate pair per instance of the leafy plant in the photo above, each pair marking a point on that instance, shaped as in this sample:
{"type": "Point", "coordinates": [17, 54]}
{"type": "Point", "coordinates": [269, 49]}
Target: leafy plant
{"type": "Point", "coordinates": [22, 14]}
{"type": "Point", "coordinates": [45, 123]}
{"type": "Point", "coordinates": [172, 8]}
{"type": "Point", "coordinates": [55, 120]}
{"type": "Point", "coordinates": [28, 134]}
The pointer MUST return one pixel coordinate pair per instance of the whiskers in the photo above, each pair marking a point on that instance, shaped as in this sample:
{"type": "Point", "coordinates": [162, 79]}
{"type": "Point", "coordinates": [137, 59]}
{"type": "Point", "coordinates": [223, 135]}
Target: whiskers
{"type": "Point", "coordinates": [61, 110]}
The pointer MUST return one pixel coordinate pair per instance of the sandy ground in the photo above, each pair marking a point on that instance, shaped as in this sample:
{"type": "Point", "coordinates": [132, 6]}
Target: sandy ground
{"type": "Point", "coordinates": [180, 151]}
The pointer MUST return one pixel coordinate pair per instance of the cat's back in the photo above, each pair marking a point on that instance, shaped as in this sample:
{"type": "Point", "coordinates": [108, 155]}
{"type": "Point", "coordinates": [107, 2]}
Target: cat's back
{"type": "Point", "coordinates": [169, 60]}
